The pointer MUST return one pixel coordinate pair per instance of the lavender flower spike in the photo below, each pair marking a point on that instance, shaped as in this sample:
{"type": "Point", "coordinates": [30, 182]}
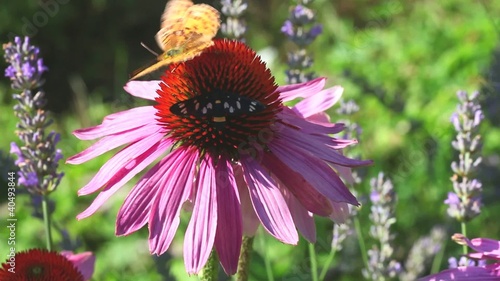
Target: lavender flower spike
{"type": "Point", "coordinates": [465, 202]}
{"type": "Point", "coordinates": [383, 198]}
{"type": "Point", "coordinates": [234, 27]}
{"type": "Point", "coordinates": [301, 30]}
{"type": "Point", "coordinates": [37, 157]}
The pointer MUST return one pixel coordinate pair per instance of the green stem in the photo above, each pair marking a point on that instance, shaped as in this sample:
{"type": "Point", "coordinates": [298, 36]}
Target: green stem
{"type": "Point", "coordinates": [314, 264]}
{"type": "Point", "coordinates": [244, 261]}
{"type": "Point", "coordinates": [267, 262]}
{"type": "Point", "coordinates": [47, 222]}
{"type": "Point", "coordinates": [209, 271]}
{"type": "Point", "coordinates": [328, 262]}
{"type": "Point", "coordinates": [436, 262]}
{"type": "Point", "coordinates": [362, 246]}
{"type": "Point", "coordinates": [464, 232]}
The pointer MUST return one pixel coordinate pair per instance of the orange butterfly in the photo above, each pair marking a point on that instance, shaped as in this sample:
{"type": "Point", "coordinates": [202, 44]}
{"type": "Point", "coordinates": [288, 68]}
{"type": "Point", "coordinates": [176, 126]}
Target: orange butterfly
{"type": "Point", "coordinates": [186, 30]}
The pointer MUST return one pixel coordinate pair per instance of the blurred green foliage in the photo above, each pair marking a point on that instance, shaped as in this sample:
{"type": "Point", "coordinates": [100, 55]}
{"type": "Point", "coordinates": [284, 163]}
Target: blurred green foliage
{"type": "Point", "coordinates": [402, 61]}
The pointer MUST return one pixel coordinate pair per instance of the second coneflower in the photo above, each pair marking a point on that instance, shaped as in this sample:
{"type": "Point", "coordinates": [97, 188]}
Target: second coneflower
{"type": "Point", "coordinates": [236, 155]}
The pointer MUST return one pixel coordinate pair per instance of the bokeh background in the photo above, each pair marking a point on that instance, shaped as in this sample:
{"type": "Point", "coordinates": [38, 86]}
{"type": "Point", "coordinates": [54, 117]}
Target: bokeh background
{"type": "Point", "coordinates": [401, 61]}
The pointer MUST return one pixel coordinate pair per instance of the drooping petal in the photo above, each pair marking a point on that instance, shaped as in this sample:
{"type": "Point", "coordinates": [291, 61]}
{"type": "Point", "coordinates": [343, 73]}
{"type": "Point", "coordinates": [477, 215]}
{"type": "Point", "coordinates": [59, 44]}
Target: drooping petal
{"type": "Point", "coordinates": [315, 171]}
{"type": "Point", "coordinates": [134, 213]}
{"type": "Point", "coordinates": [121, 164]}
{"type": "Point", "coordinates": [302, 218]}
{"type": "Point", "coordinates": [307, 195]}
{"type": "Point", "coordinates": [320, 149]}
{"type": "Point", "coordinates": [288, 116]}
{"type": "Point", "coordinates": [119, 122]}
{"type": "Point", "coordinates": [110, 142]}
{"type": "Point", "coordinates": [229, 225]}
{"type": "Point", "coordinates": [268, 203]}
{"type": "Point", "coordinates": [143, 89]}
{"type": "Point", "coordinates": [174, 185]}
{"type": "Point", "coordinates": [485, 247]}
{"type": "Point", "coordinates": [301, 90]}
{"type": "Point", "coordinates": [465, 273]}
{"type": "Point", "coordinates": [340, 212]}
{"type": "Point", "coordinates": [250, 220]}
{"type": "Point", "coordinates": [126, 173]}
{"type": "Point", "coordinates": [84, 262]}
{"type": "Point", "coordinates": [200, 234]}
{"type": "Point", "coordinates": [319, 102]}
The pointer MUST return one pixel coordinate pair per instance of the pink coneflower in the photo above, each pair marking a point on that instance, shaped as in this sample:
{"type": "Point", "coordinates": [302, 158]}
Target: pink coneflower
{"type": "Point", "coordinates": [234, 153]}
{"type": "Point", "coordinates": [43, 265]}
{"type": "Point", "coordinates": [485, 249]}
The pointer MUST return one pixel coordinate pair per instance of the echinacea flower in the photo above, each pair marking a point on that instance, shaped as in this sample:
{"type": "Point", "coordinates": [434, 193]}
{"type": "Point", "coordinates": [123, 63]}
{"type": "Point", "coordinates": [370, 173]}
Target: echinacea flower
{"type": "Point", "coordinates": [485, 249]}
{"type": "Point", "coordinates": [43, 265]}
{"type": "Point", "coordinates": [237, 155]}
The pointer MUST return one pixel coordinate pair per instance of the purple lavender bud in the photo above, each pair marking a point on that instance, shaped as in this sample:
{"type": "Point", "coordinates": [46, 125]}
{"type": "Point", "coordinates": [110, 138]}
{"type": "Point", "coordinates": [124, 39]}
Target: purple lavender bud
{"type": "Point", "coordinates": [297, 29]}
{"type": "Point", "coordinates": [287, 28]}
{"type": "Point", "coordinates": [301, 15]}
{"type": "Point", "coordinates": [315, 31]}
{"type": "Point", "coordinates": [30, 179]}
{"type": "Point", "coordinates": [465, 203]}
{"type": "Point", "coordinates": [37, 157]}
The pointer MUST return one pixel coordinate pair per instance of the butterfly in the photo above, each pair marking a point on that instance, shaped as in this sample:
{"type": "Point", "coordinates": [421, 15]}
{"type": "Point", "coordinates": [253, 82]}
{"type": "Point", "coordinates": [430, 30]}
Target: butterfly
{"type": "Point", "coordinates": [186, 30]}
{"type": "Point", "coordinates": [217, 108]}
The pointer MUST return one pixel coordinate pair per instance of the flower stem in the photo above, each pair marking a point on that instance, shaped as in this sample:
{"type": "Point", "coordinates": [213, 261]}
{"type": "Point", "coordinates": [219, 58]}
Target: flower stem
{"type": "Point", "coordinates": [209, 271]}
{"type": "Point", "coordinates": [362, 246]}
{"type": "Point", "coordinates": [314, 264]}
{"type": "Point", "coordinates": [267, 262]}
{"type": "Point", "coordinates": [244, 261]}
{"type": "Point", "coordinates": [438, 258]}
{"type": "Point", "coordinates": [464, 232]}
{"type": "Point", "coordinates": [328, 262]}
{"type": "Point", "coordinates": [47, 222]}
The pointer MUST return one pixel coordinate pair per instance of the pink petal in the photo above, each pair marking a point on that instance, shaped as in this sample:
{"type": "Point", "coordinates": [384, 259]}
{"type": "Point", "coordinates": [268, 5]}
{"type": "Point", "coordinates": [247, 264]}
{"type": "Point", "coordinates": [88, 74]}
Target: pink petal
{"type": "Point", "coordinates": [200, 234]}
{"type": "Point", "coordinates": [288, 116]}
{"type": "Point", "coordinates": [84, 262]}
{"type": "Point", "coordinates": [340, 212]}
{"type": "Point", "coordinates": [123, 161]}
{"type": "Point", "coordinates": [320, 118]}
{"type": "Point", "coordinates": [174, 185]}
{"type": "Point", "coordinates": [134, 213]}
{"type": "Point", "coordinates": [472, 273]}
{"type": "Point", "coordinates": [250, 220]}
{"type": "Point", "coordinates": [345, 173]}
{"type": "Point", "coordinates": [485, 247]}
{"type": "Point", "coordinates": [127, 172]}
{"type": "Point", "coordinates": [302, 218]}
{"type": "Point", "coordinates": [307, 195]}
{"type": "Point", "coordinates": [319, 102]}
{"type": "Point", "coordinates": [229, 224]}
{"type": "Point", "coordinates": [302, 90]}
{"type": "Point", "coordinates": [143, 89]}
{"type": "Point", "coordinates": [268, 203]}
{"type": "Point", "coordinates": [119, 122]}
{"type": "Point", "coordinates": [314, 171]}
{"type": "Point", "coordinates": [317, 147]}
{"type": "Point", "coordinates": [110, 142]}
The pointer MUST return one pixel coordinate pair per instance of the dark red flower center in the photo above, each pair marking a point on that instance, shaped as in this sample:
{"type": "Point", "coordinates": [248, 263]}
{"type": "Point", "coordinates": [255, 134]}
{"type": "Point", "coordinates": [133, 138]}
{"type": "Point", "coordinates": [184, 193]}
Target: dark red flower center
{"type": "Point", "coordinates": [219, 100]}
{"type": "Point", "coordinates": [39, 265]}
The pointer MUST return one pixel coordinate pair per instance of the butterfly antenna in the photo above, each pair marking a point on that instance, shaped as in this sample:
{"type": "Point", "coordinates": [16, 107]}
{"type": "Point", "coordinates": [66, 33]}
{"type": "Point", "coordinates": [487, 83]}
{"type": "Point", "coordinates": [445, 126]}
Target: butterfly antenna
{"type": "Point", "coordinates": [149, 49]}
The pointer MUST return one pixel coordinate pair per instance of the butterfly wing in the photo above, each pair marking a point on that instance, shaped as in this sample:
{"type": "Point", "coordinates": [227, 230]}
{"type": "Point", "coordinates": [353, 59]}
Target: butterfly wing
{"type": "Point", "coordinates": [196, 25]}
{"type": "Point", "coordinates": [172, 20]}
{"type": "Point", "coordinates": [186, 30]}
